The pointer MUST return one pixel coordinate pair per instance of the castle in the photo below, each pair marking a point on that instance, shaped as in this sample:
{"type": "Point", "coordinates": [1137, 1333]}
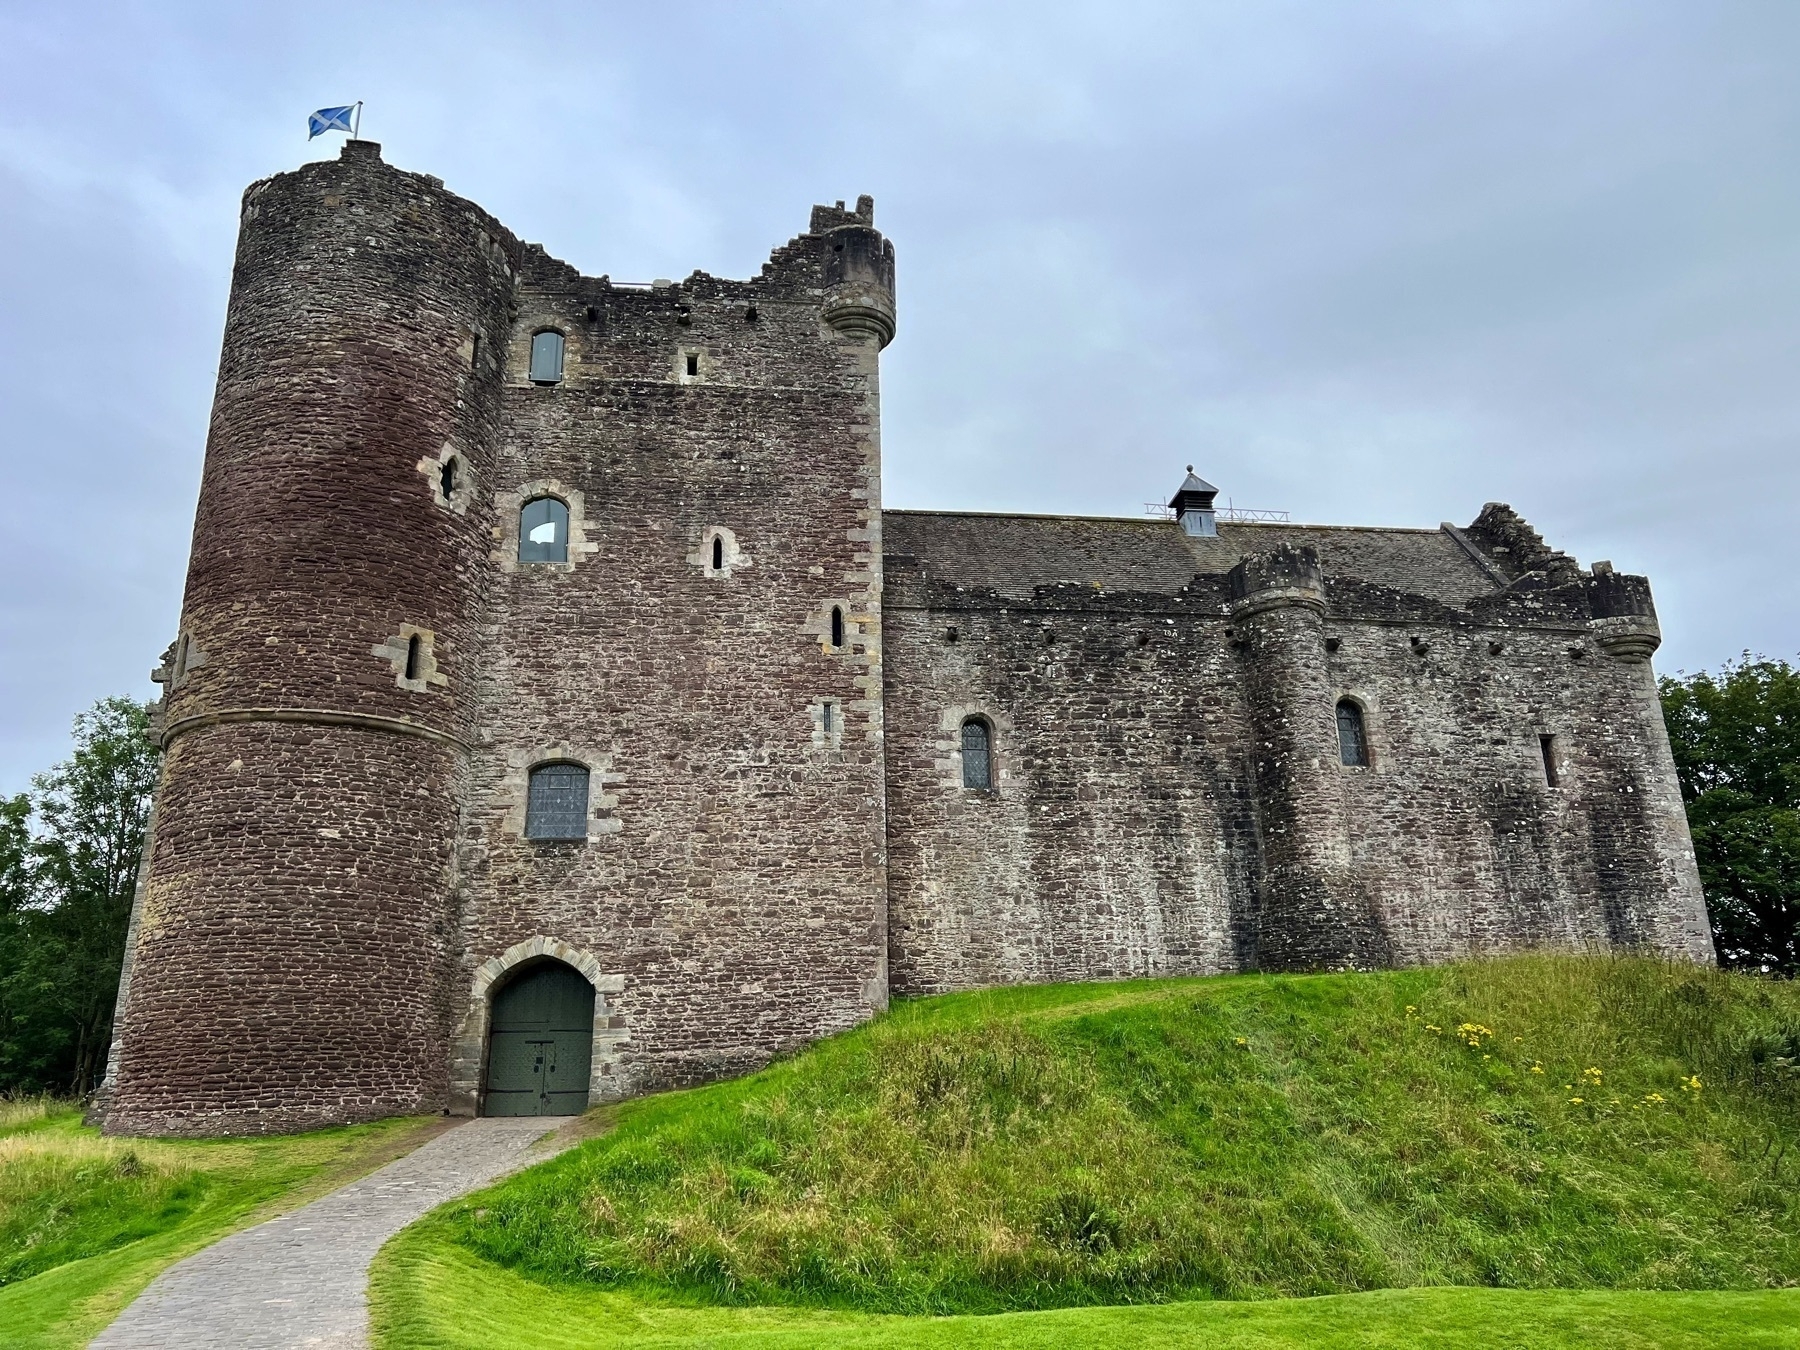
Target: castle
{"type": "Point", "coordinates": [557, 715]}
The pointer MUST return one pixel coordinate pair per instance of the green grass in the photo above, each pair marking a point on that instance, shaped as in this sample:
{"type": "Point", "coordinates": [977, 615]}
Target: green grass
{"type": "Point", "coordinates": [430, 1293]}
{"type": "Point", "coordinates": [1231, 1139]}
{"type": "Point", "coordinates": [86, 1222]}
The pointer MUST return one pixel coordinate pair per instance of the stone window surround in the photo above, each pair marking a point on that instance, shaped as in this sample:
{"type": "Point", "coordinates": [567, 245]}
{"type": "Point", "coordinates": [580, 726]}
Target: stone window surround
{"type": "Point", "coordinates": [1375, 752]}
{"type": "Point", "coordinates": [822, 740]}
{"type": "Point", "coordinates": [468, 1051]}
{"type": "Point", "coordinates": [184, 655]}
{"type": "Point", "coordinates": [733, 555]}
{"type": "Point", "coordinates": [521, 372]}
{"type": "Point", "coordinates": [948, 762]}
{"type": "Point", "coordinates": [433, 469]}
{"type": "Point", "coordinates": [856, 626]}
{"type": "Point", "coordinates": [515, 789]}
{"type": "Point", "coordinates": [703, 359]}
{"type": "Point", "coordinates": [1560, 755]}
{"type": "Point", "coordinates": [395, 650]}
{"type": "Point", "coordinates": [507, 506]}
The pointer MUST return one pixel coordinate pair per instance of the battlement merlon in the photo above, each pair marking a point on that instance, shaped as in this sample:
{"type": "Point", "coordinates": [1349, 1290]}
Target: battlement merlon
{"type": "Point", "coordinates": [339, 180]}
{"type": "Point", "coordinates": [842, 262]}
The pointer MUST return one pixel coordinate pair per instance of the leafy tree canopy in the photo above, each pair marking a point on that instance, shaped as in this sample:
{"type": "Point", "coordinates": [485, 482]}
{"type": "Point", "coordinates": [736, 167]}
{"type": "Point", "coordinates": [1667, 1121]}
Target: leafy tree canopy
{"type": "Point", "coordinates": [1736, 738]}
{"type": "Point", "coordinates": [69, 852]}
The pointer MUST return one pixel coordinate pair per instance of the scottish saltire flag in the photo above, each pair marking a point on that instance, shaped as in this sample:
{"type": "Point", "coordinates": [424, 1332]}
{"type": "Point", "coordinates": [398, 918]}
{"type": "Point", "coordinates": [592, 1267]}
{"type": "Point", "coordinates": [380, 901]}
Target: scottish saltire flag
{"type": "Point", "coordinates": [329, 119]}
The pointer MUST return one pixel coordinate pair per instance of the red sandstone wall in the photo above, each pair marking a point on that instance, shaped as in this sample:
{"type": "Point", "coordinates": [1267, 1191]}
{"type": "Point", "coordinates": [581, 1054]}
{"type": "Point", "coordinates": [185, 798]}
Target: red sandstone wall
{"type": "Point", "coordinates": [292, 945]}
{"type": "Point", "coordinates": [733, 878]}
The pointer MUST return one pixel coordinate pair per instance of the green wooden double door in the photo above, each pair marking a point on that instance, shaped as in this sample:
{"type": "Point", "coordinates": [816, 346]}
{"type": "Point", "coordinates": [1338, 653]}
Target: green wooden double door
{"type": "Point", "coordinates": [541, 1044]}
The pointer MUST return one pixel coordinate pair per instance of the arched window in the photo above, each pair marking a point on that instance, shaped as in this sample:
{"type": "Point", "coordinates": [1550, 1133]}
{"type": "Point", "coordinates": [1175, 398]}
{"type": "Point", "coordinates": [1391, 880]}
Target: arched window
{"type": "Point", "coordinates": [556, 802]}
{"type": "Point", "coordinates": [837, 626]}
{"type": "Point", "coordinates": [544, 530]}
{"type": "Point", "coordinates": [447, 478]}
{"type": "Point", "coordinates": [977, 755]}
{"type": "Point", "coordinates": [1353, 743]}
{"type": "Point", "coordinates": [718, 561]}
{"type": "Point", "coordinates": [546, 357]}
{"type": "Point", "coordinates": [415, 648]}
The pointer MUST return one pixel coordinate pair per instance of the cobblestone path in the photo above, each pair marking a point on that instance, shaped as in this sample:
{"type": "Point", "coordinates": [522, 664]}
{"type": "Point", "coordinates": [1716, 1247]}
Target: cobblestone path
{"type": "Point", "coordinates": [302, 1279]}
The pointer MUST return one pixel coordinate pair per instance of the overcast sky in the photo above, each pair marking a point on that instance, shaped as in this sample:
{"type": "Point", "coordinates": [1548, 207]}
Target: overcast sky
{"type": "Point", "coordinates": [1369, 263]}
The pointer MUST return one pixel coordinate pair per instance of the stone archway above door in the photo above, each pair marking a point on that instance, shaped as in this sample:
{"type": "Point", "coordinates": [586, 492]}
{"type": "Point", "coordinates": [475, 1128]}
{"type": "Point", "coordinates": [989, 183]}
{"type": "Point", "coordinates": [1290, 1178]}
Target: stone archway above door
{"type": "Point", "coordinates": [606, 1082]}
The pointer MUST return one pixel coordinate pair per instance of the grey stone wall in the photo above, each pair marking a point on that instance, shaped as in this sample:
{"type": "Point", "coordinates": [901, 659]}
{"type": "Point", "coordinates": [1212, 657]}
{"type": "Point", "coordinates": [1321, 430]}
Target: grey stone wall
{"type": "Point", "coordinates": [1171, 798]}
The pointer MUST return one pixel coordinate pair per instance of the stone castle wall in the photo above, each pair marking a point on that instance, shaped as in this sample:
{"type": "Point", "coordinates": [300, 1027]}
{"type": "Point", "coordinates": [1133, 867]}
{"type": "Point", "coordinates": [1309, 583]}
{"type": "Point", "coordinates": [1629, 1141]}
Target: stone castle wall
{"type": "Point", "coordinates": [339, 879]}
{"type": "Point", "coordinates": [733, 877]}
{"type": "Point", "coordinates": [1170, 798]}
{"type": "Point", "coordinates": [293, 938]}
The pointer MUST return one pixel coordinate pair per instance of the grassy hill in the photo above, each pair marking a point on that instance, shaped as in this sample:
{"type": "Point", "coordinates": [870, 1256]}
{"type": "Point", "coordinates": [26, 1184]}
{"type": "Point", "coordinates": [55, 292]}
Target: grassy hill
{"type": "Point", "coordinates": [86, 1222]}
{"type": "Point", "coordinates": [1535, 1123]}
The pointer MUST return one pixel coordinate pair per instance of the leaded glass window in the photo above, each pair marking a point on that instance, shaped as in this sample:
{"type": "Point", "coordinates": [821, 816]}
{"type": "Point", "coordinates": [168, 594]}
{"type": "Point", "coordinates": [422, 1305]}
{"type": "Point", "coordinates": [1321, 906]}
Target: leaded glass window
{"type": "Point", "coordinates": [977, 755]}
{"type": "Point", "coordinates": [546, 357]}
{"type": "Point", "coordinates": [544, 531]}
{"type": "Point", "coordinates": [556, 803]}
{"type": "Point", "coordinates": [1353, 743]}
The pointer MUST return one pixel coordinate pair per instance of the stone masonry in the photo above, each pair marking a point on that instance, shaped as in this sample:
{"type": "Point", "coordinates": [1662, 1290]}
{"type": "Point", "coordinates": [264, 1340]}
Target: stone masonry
{"type": "Point", "coordinates": [766, 678]}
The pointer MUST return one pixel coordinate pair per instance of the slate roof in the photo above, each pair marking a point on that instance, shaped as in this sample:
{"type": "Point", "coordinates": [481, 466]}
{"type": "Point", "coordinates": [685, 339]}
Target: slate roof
{"type": "Point", "coordinates": [1014, 554]}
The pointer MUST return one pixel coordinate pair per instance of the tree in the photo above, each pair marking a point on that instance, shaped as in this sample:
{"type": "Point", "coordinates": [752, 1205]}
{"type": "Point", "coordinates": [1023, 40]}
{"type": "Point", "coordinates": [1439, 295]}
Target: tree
{"type": "Point", "coordinates": [1736, 738]}
{"type": "Point", "coordinates": [17, 890]}
{"type": "Point", "coordinates": [65, 900]}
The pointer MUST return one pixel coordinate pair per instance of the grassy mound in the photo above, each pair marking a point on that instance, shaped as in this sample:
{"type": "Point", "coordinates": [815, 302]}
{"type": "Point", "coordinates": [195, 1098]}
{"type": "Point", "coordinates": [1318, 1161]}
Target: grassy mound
{"type": "Point", "coordinates": [86, 1222]}
{"type": "Point", "coordinates": [1535, 1122]}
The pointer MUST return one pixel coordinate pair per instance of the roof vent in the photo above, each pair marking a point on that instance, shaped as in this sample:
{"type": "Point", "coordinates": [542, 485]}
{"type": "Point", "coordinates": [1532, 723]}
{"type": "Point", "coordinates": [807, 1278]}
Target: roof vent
{"type": "Point", "coordinates": [1193, 506]}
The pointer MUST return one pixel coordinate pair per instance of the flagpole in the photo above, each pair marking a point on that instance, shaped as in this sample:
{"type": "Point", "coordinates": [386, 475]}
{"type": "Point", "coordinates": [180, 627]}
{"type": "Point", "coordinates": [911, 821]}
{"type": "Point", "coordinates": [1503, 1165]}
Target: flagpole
{"type": "Point", "coordinates": [356, 120]}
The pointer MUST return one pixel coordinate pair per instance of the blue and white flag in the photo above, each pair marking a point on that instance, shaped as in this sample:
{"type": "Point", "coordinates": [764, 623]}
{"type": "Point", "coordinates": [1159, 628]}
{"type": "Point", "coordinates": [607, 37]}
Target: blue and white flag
{"type": "Point", "coordinates": [330, 119]}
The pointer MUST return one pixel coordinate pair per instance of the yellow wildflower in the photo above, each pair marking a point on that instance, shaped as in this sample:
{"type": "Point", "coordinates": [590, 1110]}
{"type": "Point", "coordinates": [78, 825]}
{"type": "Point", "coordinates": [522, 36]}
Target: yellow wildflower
{"type": "Point", "coordinates": [1574, 1101]}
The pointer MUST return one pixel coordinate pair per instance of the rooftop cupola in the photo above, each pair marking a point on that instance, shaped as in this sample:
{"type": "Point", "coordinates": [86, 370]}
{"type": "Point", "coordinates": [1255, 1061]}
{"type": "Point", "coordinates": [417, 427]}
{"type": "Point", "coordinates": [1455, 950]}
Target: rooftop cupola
{"type": "Point", "coordinates": [1193, 504]}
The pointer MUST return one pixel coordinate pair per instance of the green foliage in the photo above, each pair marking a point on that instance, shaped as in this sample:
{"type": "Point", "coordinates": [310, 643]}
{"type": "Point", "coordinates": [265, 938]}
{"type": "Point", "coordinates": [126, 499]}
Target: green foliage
{"type": "Point", "coordinates": [87, 1221]}
{"type": "Point", "coordinates": [1736, 738]}
{"type": "Point", "coordinates": [65, 900]}
{"type": "Point", "coordinates": [1534, 1122]}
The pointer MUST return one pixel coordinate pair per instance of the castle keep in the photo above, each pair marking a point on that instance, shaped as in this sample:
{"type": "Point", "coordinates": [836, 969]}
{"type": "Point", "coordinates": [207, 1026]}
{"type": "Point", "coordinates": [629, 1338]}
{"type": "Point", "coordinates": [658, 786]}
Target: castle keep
{"type": "Point", "coordinates": [557, 715]}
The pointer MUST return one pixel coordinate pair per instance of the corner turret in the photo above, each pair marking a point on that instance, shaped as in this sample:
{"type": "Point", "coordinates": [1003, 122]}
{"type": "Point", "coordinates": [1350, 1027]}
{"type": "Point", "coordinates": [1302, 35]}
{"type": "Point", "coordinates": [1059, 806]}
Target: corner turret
{"type": "Point", "coordinates": [1311, 913]}
{"type": "Point", "coordinates": [859, 271]}
{"type": "Point", "coordinates": [1624, 622]}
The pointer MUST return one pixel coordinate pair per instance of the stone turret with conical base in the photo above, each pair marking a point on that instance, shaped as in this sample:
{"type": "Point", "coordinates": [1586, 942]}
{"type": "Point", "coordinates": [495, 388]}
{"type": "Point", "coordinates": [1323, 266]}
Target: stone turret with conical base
{"type": "Point", "coordinates": [1310, 913]}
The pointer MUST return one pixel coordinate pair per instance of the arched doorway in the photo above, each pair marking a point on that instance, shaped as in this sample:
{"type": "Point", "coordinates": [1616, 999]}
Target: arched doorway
{"type": "Point", "coordinates": [540, 1043]}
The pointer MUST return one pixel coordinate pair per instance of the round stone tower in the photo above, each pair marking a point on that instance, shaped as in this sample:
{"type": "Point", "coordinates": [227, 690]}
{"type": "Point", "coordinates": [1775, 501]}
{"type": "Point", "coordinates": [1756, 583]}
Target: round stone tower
{"type": "Point", "coordinates": [292, 941]}
{"type": "Point", "coordinates": [1311, 915]}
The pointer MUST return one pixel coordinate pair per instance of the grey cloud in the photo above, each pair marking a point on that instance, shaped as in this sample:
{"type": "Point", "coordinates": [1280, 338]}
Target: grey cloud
{"type": "Point", "coordinates": [1374, 263]}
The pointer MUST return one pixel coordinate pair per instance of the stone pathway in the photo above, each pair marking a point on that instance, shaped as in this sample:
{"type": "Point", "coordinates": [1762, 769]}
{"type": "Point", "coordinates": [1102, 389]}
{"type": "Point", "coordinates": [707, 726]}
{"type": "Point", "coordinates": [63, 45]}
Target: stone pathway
{"type": "Point", "coordinates": [302, 1279]}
